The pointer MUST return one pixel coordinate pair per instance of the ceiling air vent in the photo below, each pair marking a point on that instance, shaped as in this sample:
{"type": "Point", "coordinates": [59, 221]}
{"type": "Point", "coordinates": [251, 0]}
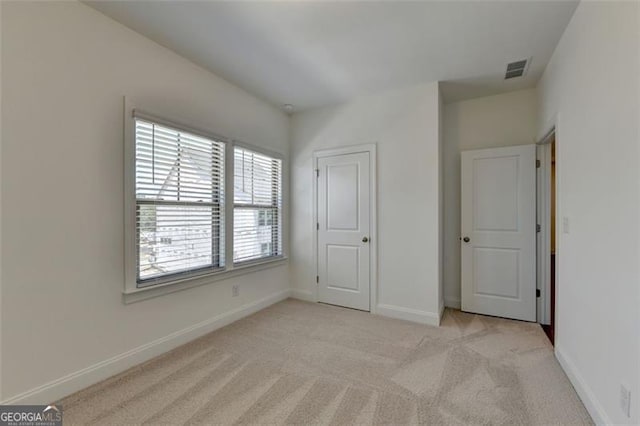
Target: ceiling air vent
{"type": "Point", "coordinates": [516, 69]}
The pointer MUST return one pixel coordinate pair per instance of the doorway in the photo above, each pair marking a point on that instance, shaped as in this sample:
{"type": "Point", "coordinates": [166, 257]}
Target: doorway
{"type": "Point", "coordinates": [547, 244]}
{"type": "Point", "coordinates": [345, 224]}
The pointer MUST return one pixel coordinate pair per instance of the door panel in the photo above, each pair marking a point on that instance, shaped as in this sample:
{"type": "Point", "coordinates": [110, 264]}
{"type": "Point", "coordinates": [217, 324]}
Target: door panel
{"type": "Point", "coordinates": [343, 265]}
{"type": "Point", "coordinates": [490, 176]}
{"type": "Point", "coordinates": [498, 218]}
{"type": "Point", "coordinates": [343, 222]}
{"type": "Point", "coordinates": [496, 272]}
{"type": "Point", "coordinates": [342, 197]}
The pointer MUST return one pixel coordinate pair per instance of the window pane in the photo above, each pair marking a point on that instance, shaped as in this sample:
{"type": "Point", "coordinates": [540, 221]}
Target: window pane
{"type": "Point", "coordinates": [175, 239]}
{"type": "Point", "coordinates": [256, 178]}
{"type": "Point", "coordinates": [256, 233]}
{"type": "Point", "coordinates": [176, 165]}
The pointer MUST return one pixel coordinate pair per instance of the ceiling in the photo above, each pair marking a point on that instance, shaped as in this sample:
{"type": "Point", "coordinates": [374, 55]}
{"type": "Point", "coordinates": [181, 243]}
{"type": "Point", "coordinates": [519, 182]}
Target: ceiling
{"type": "Point", "coordinates": [311, 54]}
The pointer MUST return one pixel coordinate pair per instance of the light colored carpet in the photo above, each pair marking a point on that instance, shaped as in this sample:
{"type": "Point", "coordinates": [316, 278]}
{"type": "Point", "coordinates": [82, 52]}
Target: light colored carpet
{"type": "Point", "coordinates": [303, 363]}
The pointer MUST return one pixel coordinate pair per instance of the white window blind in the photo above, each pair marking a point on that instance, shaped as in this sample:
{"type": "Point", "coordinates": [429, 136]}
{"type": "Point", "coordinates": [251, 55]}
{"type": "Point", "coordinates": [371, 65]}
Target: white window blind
{"type": "Point", "coordinates": [179, 187]}
{"type": "Point", "coordinates": [257, 224]}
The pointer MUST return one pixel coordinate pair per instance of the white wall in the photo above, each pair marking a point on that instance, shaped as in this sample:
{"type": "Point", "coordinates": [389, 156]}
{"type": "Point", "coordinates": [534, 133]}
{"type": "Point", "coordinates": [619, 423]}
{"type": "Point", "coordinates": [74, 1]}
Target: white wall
{"type": "Point", "coordinates": [405, 126]}
{"type": "Point", "coordinates": [65, 70]}
{"type": "Point", "coordinates": [591, 89]}
{"type": "Point", "coordinates": [488, 122]}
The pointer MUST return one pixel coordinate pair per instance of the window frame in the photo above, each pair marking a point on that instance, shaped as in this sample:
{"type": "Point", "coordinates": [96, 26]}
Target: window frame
{"type": "Point", "coordinates": [279, 210]}
{"type": "Point", "coordinates": [216, 202]}
{"type": "Point", "coordinates": [132, 292]}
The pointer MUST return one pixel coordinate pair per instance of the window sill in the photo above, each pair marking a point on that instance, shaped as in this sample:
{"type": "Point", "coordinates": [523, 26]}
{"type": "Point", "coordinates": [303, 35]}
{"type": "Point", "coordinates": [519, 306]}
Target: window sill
{"type": "Point", "coordinates": [138, 294]}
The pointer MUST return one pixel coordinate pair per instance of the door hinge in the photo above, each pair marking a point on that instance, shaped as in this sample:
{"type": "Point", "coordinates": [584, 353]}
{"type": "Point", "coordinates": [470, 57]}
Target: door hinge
{"type": "Point", "coordinates": [538, 228]}
{"type": "Point", "coordinates": [537, 292]}
{"type": "Point", "coordinates": [317, 226]}
{"type": "Point", "coordinates": [317, 173]}
{"type": "Point", "coordinates": [537, 164]}
{"type": "Point", "coordinates": [317, 279]}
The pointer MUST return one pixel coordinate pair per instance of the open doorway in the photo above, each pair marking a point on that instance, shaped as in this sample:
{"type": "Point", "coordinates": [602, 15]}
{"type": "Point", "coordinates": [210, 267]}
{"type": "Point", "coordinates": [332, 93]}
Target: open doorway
{"type": "Point", "coordinates": [547, 253]}
{"type": "Point", "coordinates": [549, 328]}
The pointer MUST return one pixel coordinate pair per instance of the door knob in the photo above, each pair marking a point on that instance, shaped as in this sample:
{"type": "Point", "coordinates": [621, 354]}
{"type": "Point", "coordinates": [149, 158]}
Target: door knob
{"type": "Point", "coordinates": [466, 239]}
{"type": "Point", "coordinates": [365, 239]}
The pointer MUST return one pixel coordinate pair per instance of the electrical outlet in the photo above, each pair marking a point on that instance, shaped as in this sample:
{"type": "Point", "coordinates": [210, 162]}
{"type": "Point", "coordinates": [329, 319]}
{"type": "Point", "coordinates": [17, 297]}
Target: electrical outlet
{"type": "Point", "coordinates": [565, 225]}
{"type": "Point", "coordinates": [235, 290]}
{"type": "Point", "coordinates": [625, 400]}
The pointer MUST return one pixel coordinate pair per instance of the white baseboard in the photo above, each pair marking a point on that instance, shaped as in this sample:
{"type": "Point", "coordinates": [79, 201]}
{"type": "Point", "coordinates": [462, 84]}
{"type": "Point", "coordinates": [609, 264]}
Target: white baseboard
{"type": "Point", "coordinates": [451, 302]}
{"type": "Point", "coordinates": [66, 385]}
{"type": "Point", "coordinates": [398, 312]}
{"type": "Point", "coordinates": [305, 295]}
{"type": "Point", "coordinates": [597, 412]}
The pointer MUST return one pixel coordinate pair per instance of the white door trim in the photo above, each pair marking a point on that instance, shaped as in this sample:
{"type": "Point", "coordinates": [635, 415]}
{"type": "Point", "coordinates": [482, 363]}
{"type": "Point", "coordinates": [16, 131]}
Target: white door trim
{"type": "Point", "coordinates": [542, 242]}
{"type": "Point", "coordinates": [373, 239]}
{"type": "Point", "coordinates": [553, 128]}
{"type": "Point", "coordinates": [543, 207]}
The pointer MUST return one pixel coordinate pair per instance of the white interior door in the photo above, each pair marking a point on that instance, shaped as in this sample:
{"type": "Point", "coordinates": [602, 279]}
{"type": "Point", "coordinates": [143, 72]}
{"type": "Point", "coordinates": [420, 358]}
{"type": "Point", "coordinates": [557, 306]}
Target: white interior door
{"type": "Point", "coordinates": [344, 214]}
{"type": "Point", "coordinates": [499, 231]}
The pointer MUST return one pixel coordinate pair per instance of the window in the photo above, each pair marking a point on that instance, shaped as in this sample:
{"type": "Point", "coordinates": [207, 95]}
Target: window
{"type": "Point", "coordinates": [187, 223]}
{"type": "Point", "coordinates": [179, 193]}
{"type": "Point", "coordinates": [257, 224]}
